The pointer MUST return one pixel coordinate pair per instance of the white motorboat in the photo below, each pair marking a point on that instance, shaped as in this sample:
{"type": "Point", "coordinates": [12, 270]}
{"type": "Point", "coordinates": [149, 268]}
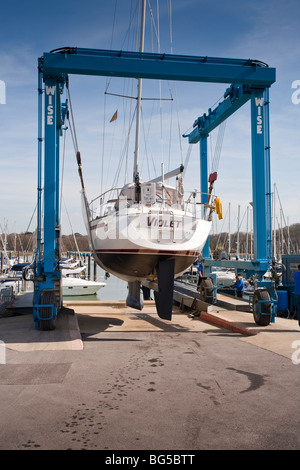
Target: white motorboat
{"type": "Point", "coordinates": [69, 263]}
{"type": "Point", "coordinates": [77, 286]}
{"type": "Point", "coordinates": [73, 272]}
{"type": "Point", "coordinates": [74, 284]}
{"type": "Point", "coordinates": [224, 277]}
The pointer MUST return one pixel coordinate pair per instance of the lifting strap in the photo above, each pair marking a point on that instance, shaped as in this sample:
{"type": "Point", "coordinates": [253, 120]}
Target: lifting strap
{"type": "Point", "coordinates": [74, 138]}
{"type": "Point", "coordinates": [209, 210]}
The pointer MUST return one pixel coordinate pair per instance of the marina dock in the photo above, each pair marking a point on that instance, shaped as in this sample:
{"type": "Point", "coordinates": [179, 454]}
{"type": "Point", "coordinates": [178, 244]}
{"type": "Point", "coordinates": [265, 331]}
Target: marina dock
{"type": "Point", "coordinates": [109, 377]}
{"type": "Point", "coordinates": [67, 334]}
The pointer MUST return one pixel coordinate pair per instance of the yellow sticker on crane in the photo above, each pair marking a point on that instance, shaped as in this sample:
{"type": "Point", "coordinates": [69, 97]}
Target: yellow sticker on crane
{"type": "Point", "coordinates": [219, 209]}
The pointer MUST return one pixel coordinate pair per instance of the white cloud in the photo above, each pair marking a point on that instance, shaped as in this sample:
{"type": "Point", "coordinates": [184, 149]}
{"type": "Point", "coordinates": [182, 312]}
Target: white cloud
{"type": "Point", "coordinates": [18, 66]}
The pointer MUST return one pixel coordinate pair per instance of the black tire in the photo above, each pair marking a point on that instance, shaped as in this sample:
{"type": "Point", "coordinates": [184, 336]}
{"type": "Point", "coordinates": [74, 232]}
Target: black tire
{"type": "Point", "coordinates": [262, 312]}
{"type": "Point", "coordinates": [207, 290]}
{"type": "Point", "coordinates": [47, 298]}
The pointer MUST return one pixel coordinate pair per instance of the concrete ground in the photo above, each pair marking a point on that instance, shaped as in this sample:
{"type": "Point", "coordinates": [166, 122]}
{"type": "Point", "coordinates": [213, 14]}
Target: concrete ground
{"type": "Point", "coordinates": [110, 377]}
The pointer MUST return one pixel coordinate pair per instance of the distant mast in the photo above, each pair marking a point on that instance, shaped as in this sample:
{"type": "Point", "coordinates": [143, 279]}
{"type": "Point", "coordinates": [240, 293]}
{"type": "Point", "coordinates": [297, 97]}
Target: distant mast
{"type": "Point", "coordinates": [139, 98]}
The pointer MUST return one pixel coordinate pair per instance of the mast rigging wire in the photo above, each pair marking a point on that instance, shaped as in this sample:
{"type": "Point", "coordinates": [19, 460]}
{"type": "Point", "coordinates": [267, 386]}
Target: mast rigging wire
{"type": "Point", "coordinates": [215, 160]}
{"type": "Point", "coordinates": [74, 138]}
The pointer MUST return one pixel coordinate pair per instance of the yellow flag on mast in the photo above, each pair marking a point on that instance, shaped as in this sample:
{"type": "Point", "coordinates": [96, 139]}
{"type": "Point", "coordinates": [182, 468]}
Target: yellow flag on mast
{"type": "Point", "coordinates": [114, 116]}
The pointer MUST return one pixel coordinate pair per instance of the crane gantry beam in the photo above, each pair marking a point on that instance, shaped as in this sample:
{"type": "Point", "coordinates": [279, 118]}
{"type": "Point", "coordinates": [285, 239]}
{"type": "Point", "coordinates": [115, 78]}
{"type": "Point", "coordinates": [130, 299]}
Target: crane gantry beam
{"type": "Point", "coordinates": [73, 60]}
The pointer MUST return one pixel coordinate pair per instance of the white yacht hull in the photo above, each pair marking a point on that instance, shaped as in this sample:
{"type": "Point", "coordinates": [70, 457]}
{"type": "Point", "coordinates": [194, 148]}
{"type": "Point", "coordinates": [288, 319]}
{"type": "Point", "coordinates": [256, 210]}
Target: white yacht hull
{"type": "Point", "coordinates": [130, 245]}
{"type": "Point", "coordinates": [147, 236]}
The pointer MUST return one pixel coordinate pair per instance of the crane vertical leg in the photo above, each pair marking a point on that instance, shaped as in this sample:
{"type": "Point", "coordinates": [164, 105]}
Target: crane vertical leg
{"type": "Point", "coordinates": [261, 184]}
{"type": "Point", "coordinates": [39, 179]}
{"type": "Point", "coordinates": [204, 183]}
{"type": "Point", "coordinates": [58, 286]}
{"type": "Point", "coordinates": [268, 171]}
{"type": "Point", "coordinates": [50, 175]}
{"type": "Point", "coordinates": [265, 305]}
{"type": "Point", "coordinates": [47, 296]}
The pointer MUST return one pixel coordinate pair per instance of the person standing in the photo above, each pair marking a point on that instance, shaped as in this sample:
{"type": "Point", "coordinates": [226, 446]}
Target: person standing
{"type": "Point", "coordinates": [239, 286]}
{"type": "Point", "coordinates": [200, 275]}
{"type": "Point", "coordinates": [296, 278]}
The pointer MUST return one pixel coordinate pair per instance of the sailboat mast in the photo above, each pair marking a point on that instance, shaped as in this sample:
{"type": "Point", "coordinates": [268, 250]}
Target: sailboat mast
{"type": "Point", "coordinates": [139, 98]}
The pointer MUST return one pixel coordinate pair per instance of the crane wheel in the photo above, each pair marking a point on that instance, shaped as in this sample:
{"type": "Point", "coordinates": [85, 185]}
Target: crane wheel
{"type": "Point", "coordinates": [47, 298]}
{"type": "Point", "coordinates": [207, 290]}
{"type": "Point", "coordinates": [262, 311]}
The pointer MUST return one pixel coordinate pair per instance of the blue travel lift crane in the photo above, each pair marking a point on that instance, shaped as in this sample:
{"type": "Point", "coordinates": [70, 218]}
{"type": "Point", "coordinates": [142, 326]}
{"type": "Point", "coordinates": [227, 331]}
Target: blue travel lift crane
{"type": "Point", "coordinates": [265, 296]}
{"type": "Point", "coordinates": [248, 79]}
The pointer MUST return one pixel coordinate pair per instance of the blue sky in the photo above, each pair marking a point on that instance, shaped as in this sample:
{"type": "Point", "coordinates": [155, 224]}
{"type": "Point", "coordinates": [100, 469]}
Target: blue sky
{"type": "Point", "coordinates": [267, 30]}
